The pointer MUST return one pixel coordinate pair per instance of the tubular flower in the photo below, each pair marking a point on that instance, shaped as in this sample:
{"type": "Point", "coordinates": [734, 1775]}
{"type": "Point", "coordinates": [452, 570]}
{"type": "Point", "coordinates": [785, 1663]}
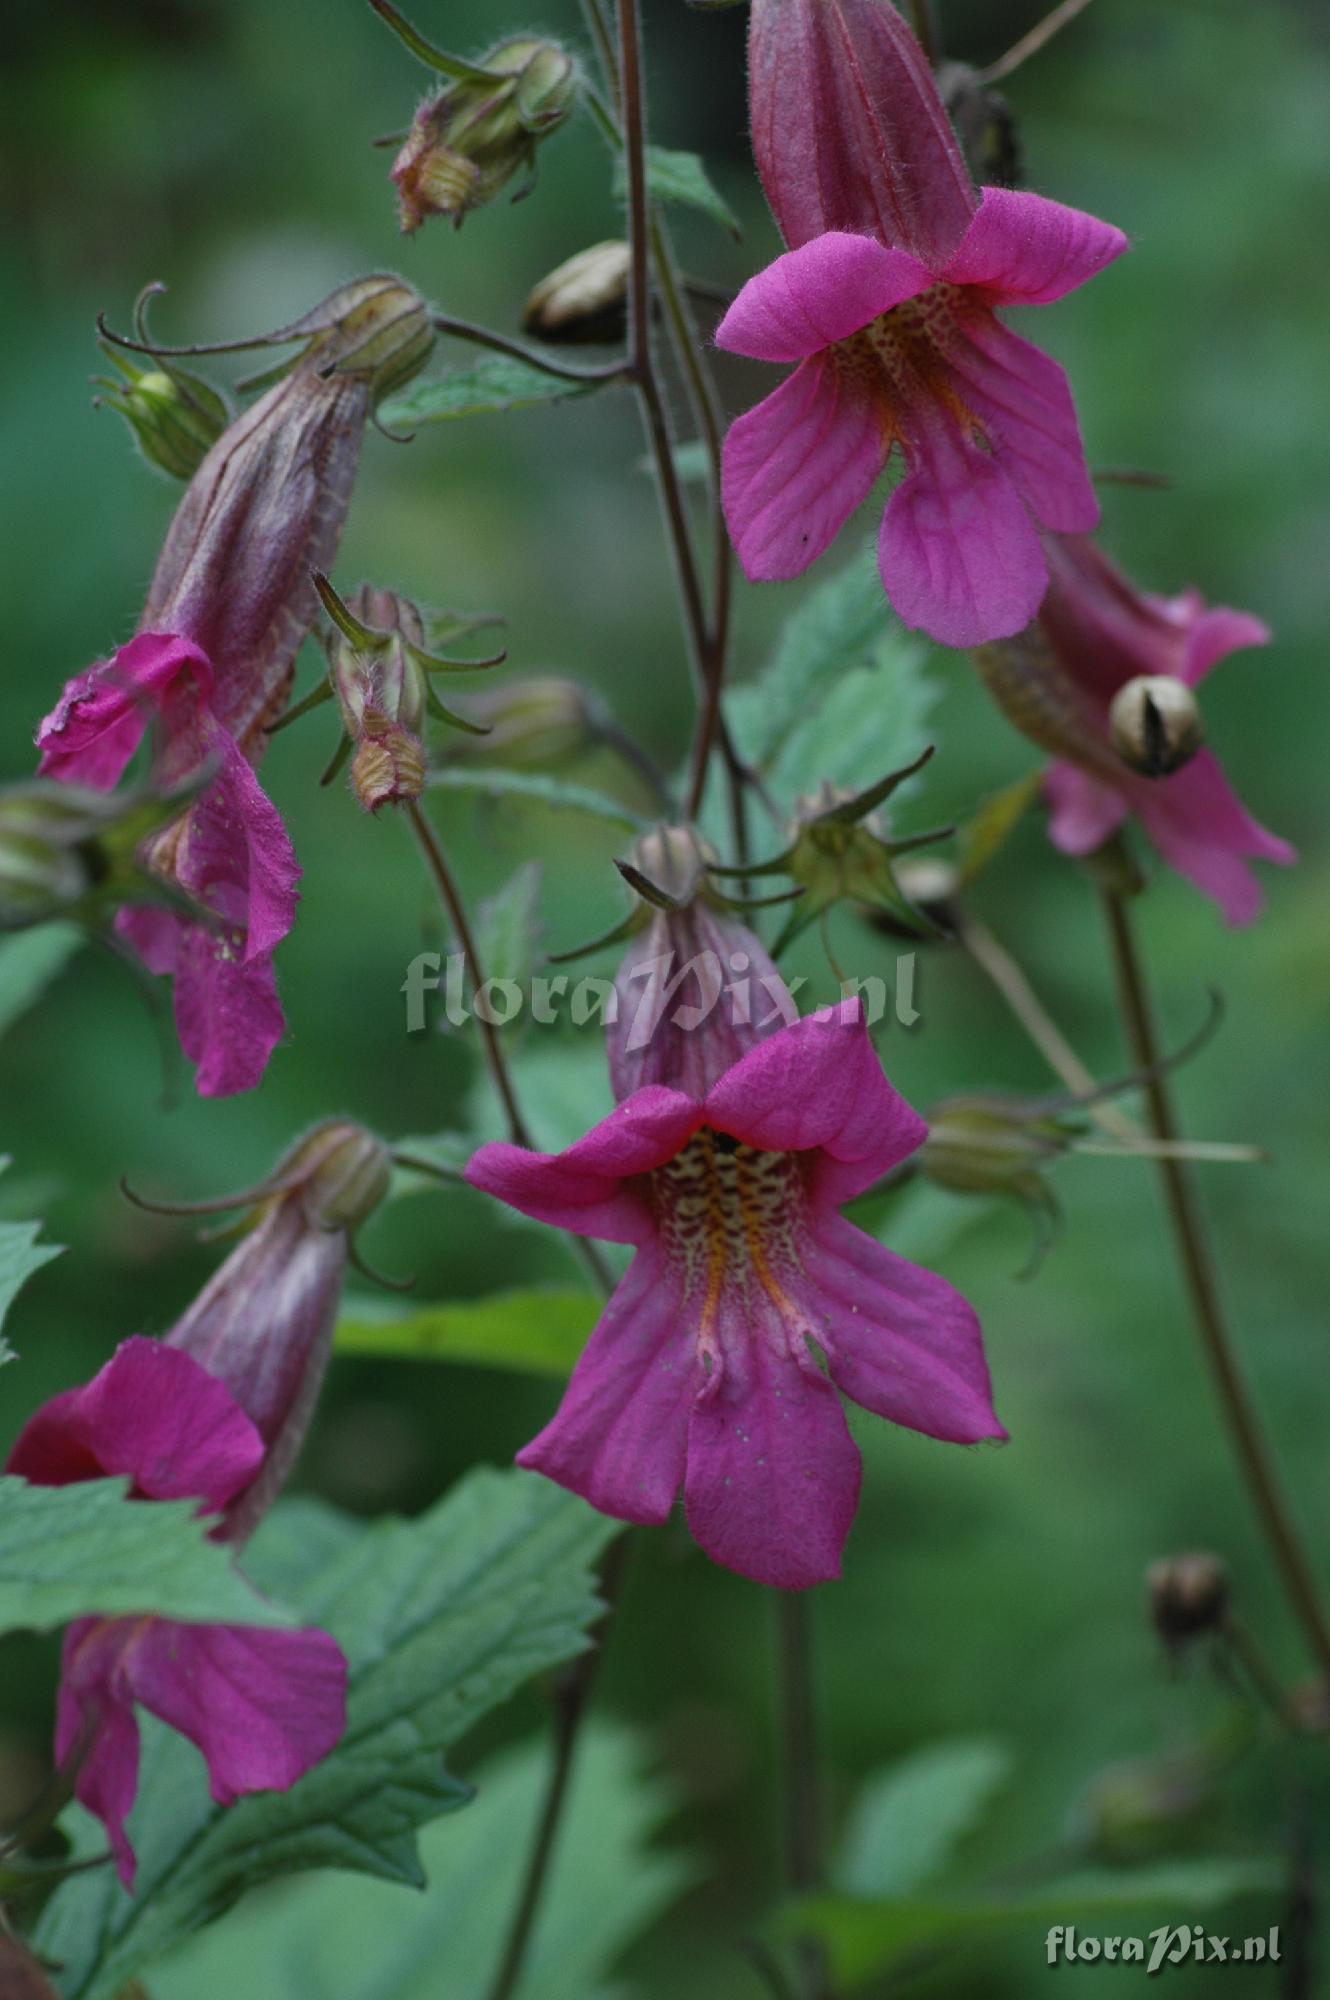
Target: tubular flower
{"type": "Point", "coordinates": [230, 852]}
{"type": "Point", "coordinates": [1096, 634]}
{"type": "Point", "coordinates": [230, 603]}
{"type": "Point", "coordinates": [849, 130]}
{"type": "Point", "coordinates": [262, 1705]}
{"type": "Point", "coordinates": [895, 353]}
{"type": "Point", "coordinates": [701, 1373]}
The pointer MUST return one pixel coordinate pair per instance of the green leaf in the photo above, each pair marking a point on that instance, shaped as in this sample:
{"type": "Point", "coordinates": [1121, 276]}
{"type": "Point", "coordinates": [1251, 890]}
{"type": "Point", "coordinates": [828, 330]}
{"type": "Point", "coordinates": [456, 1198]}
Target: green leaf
{"type": "Point", "coordinates": [864, 1938]}
{"type": "Point", "coordinates": [541, 790]}
{"type": "Point", "coordinates": [908, 1818]}
{"type": "Point", "coordinates": [508, 925]}
{"type": "Point", "coordinates": [86, 1550]}
{"type": "Point", "coordinates": [847, 695]}
{"type": "Point", "coordinates": [326, 1938]}
{"type": "Point", "coordinates": [441, 1619]}
{"type": "Point", "coordinates": [492, 383]}
{"type": "Point", "coordinates": [537, 1332]}
{"type": "Point", "coordinates": [20, 1256]}
{"type": "Point", "coordinates": [680, 179]}
{"type": "Point", "coordinates": [29, 961]}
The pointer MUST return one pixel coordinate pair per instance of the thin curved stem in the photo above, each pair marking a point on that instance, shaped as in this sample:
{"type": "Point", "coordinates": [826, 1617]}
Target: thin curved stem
{"type": "Point", "coordinates": [1250, 1443]}
{"type": "Point", "coordinates": [517, 350]}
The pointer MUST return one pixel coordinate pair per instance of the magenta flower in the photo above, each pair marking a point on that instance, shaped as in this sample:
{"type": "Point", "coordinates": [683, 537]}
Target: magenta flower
{"type": "Point", "coordinates": [262, 1705]}
{"type": "Point", "coordinates": [701, 1373]}
{"type": "Point", "coordinates": [230, 852]}
{"type": "Point", "coordinates": [895, 353]}
{"type": "Point", "coordinates": [1103, 633]}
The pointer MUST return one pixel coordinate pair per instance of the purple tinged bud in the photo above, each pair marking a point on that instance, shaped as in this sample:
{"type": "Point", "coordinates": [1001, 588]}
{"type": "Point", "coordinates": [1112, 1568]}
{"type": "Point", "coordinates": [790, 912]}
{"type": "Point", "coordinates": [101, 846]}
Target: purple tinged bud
{"type": "Point", "coordinates": [263, 1325]}
{"type": "Point", "coordinates": [583, 299]}
{"type": "Point", "coordinates": [697, 989]}
{"type": "Point", "coordinates": [467, 141]}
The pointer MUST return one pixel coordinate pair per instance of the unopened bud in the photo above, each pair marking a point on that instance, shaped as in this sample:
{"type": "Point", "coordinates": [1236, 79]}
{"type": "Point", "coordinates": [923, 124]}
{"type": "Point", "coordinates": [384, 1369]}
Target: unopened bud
{"type": "Point", "coordinates": [389, 766]}
{"type": "Point", "coordinates": [672, 861]}
{"type": "Point", "coordinates": [982, 1146]}
{"type": "Point", "coordinates": [349, 1175]}
{"type": "Point", "coordinates": [376, 330]}
{"type": "Point", "coordinates": [176, 418]}
{"type": "Point", "coordinates": [532, 723]}
{"type": "Point", "coordinates": [467, 142]}
{"type": "Point", "coordinates": [1188, 1596]}
{"type": "Point", "coordinates": [584, 299]}
{"type": "Point", "coordinates": [1155, 722]}
{"type": "Point", "coordinates": [69, 851]}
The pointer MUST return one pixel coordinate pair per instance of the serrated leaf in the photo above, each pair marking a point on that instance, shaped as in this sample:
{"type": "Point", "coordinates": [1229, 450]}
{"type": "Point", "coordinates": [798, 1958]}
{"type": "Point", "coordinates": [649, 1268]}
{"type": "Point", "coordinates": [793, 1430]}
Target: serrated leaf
{"type": "Point", "coordinates": [327, 1938]}
{"type": "Point", "coordinates": [536, 786]}
{"type": "Point", "coordinates": [441, 1619]}
{"type": "Point", "coordinates": [491, 384]}
{"type": "Point", "coordinates": [863, 1938]}
{"type": "Point", "coordinates": [508, 925]}
{"type": "Point", "coordinates": [21, 1255]}
{"type": "Point", "coordinates": [29, 961]}
{"type": "Point", "coordinates": [78, 1551]}
{"type": "Point", "coordinates": [537, 1331]}
{"type": "Point", "coordinates": [846, 697]}
{"type": "Point", "coordinates": [909, 1817]}
{"type": "Point", "coordinates": [680, 180]}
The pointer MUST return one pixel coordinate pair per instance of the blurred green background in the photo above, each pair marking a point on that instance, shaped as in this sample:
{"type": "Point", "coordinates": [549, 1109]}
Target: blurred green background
{"type": "Point", "coordinates": [225, 149]}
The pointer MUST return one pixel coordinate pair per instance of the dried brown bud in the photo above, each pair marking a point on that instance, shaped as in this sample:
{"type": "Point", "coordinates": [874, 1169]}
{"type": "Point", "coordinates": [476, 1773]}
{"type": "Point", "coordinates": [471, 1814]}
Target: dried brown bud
{"type": "Point", "coordinates": [1155, 722]}
{"type": "Point", "coordinates": [584, 299]}
{"type": "Point", "coordinates": [1188, 1596]}
{"type": "Point", "coordinates": [389, 766]}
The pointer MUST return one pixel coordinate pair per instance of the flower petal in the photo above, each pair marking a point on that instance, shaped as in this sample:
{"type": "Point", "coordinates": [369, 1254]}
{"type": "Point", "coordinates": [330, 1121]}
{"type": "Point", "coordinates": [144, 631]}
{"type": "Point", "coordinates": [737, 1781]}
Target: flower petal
{"type": "Point", "coordinates": [1024, 402]}
{"type": "Point", "coordinates": [1213, 635]}
{"type": "Point", "coordinates": [773, 1474]}
{"type": "Point", "coordinates": [818, 294]}
{"type": "Point", "coordinates": [898, 1339]}
{"type": "Point", "coordinates": [1203, 830]}
{"type": "Point", "coordinates": [797, 466]}
{"type": "Point", "coordinates": [236, 855]}
{"type": "Point", "coordinates": [263, 1706]}
{"type": "Point", "coordinates": [820, 1084]}
{"type": "Point", "coordinates": [95, 1715]}
{"type": "Point", "coordinates": [1084, 812]}
{"type": "Point", "coordinates": [620, 1433]}
{"type": "Point", "coordinates": [583, 1189]}
{"type": "Point", "coordinates": [1023, 249]}
{"type": "Point", "coordinates": [959, 555]}
{"type": "Point", "coordinates": [99, 721]}
{"type": "Point", "coordinates": [154, 1415]}
{"type": "Point", "coordinates": [227, 1013]}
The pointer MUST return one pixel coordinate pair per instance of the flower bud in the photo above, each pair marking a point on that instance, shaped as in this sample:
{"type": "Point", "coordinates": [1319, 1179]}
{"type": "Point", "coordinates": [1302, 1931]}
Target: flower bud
{"type": "Point", "coordinates": [584, 299]}
{"type": "Point", "coordinates": [1155, 723]}
{"type": "Point", "coordinates": [380, 673]}
{"type": "Point", "coordinates": [467, 141]}
{"type": "Point", "coordinates": [264, 1323]}
{"type": "Point", "coordinates": [177, 418]}
{"type": "Point", "coordinates": [697, 989]}
{"type": "Point", "coordinates": [984, 1145]}
{"type": "Point", "coordinates": [69, 851]}
{"type": "Point", "coordinates": [1136, 1809]}
{"type": "Point", "coordinates": [533, 723]}
{"type": "Point", "coordinates": [1188, 1596]}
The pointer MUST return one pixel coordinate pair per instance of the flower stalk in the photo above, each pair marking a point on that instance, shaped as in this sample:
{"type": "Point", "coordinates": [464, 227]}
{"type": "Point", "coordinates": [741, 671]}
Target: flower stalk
{"type": "Point", "coordinates": [1251, 1445]}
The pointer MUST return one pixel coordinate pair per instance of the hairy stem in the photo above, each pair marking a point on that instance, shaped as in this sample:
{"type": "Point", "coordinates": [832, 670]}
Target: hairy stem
{"type": "Point", "coordinates": [802, 1802]}
{"type": "Point", "coordinates": [517, 350]}
{"type": "Point", "coordinates": [1250, 1443]}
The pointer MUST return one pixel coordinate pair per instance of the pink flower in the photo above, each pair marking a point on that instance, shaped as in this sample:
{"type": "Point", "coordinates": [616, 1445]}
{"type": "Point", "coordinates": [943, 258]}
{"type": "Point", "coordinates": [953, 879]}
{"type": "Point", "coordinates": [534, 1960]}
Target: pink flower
{"type": "Point", "coordinates": [848, 129]}
{"type": "Point", "coordinates": [893, 352]}
{"type": "Point", "coordinates": [701, 1372]}
{"type": "Point", "coordinates": [262, 1705]}
{"type": "Point", "coordinates": [1103, 633]}
{"type": "Point", "coordinates": [229, 852]}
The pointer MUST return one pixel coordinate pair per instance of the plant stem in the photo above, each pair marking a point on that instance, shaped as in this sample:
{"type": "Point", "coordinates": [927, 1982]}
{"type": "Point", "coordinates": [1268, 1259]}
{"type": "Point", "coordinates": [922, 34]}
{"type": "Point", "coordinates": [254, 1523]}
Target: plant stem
{"type": "Point", "coordinates": [437, 863]}
{"type": "Point", "coordinates": [802, 1804]}
{"type": "Point", "coordinates": [1249, 1440]}
{"type": "Point", "coordinates": [994, 960]}
{"type": "Point", "coordinates": [923, 19]}
{"type": "Point", "coordinates": [572, 1698]}
{"type": "Point", "coordinates": [481, 336]}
